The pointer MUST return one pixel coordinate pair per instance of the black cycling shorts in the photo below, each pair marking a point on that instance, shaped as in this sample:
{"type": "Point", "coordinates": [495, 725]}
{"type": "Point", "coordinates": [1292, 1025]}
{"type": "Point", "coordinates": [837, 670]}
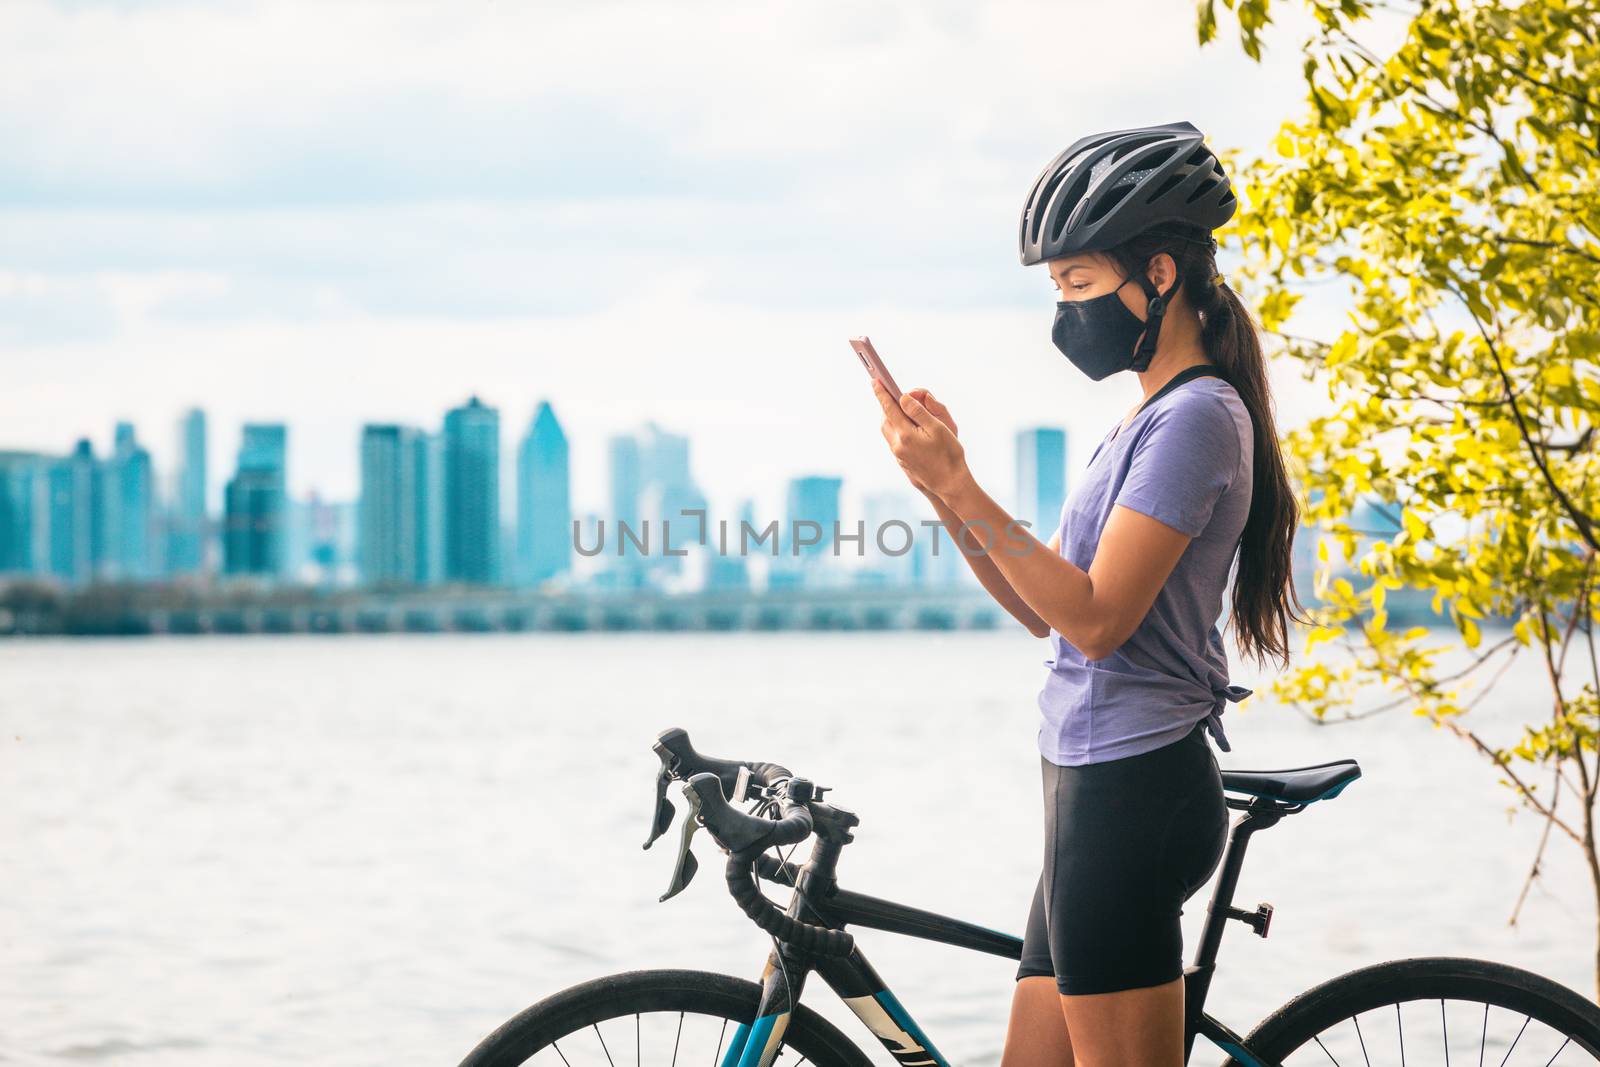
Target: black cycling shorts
{"type": "Point", "coordinates": [1126, 843]}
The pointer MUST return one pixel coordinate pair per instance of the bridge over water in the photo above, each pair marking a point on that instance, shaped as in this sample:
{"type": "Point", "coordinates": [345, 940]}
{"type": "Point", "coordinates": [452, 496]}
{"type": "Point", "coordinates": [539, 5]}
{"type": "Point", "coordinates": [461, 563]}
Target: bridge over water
{"type": "Point", "coordinates": [517, 610]}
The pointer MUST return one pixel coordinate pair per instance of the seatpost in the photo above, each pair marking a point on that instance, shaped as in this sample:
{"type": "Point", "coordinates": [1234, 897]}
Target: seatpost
{"type": "Point", "coordinates": [1197, 977]}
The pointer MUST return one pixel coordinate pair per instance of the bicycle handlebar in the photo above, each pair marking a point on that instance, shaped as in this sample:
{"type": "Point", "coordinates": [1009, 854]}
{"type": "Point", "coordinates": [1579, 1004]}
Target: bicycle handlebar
{"type": "Point", "coordinates": [686, 762]}
{"type": "Point", "coordinates": [708, 782]}
{"type": "Point", "coordinates": [740, 832]}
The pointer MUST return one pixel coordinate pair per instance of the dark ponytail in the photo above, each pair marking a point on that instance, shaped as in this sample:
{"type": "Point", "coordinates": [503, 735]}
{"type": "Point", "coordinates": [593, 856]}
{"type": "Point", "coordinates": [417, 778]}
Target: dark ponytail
{"type": "Point", "coordinates": [1263, 587]}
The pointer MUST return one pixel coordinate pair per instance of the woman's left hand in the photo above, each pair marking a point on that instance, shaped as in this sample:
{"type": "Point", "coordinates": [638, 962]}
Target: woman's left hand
{"type": "Point", "coordinates": [922, 444]}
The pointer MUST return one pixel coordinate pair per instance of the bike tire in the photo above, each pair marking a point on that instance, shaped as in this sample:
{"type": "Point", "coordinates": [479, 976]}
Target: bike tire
{"type": "Point", "coordinates": [616, 996]}
{"type": "Point", "coordinates": [1298, 1026]}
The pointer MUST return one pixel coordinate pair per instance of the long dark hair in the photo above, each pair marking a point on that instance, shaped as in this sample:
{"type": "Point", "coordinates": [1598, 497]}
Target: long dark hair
{"type": "Point", "coordinates": [1263, 587]}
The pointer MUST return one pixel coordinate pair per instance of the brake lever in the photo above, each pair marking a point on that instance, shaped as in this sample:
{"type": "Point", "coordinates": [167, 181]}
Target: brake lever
{"type": "Point", "coordinates": [683, 870]}
{"type": "Point", "coordinates": [664, 810]}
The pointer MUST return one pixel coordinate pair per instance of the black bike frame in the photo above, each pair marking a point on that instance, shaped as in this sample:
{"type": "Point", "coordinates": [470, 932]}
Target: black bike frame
{"type": "Point", "coordinates": [818, 899]}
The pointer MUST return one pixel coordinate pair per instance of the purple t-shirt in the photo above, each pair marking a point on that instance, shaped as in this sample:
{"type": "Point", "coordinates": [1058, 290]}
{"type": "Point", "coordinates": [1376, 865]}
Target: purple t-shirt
{"type": "Point", "coordinates": [1185, 460]}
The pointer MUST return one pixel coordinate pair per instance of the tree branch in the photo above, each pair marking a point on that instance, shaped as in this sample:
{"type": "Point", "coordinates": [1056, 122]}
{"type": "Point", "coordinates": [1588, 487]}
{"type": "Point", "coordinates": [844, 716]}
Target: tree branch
{"type": "Point", "coordinates": [1538, 855]}
{"type": "Point", "coordinates": [1584, 523]}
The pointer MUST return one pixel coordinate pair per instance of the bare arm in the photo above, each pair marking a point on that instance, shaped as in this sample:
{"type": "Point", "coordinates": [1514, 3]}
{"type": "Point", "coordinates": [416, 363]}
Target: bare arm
{"type": "Point", "coordinates": [982, 566]}
{"type": "Point", "coordinates": [1096, 610]}
{"type": "Point", "coordinates": [988, 574]}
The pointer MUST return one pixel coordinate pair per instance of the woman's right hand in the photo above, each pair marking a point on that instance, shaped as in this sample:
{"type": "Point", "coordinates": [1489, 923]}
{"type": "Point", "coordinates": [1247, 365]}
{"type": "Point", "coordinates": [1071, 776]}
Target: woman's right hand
{"type": "Point", "coordinates": [937, 409]}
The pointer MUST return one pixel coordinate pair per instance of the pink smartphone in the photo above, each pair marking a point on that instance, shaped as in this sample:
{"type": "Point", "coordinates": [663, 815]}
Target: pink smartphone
{"type": "Point", "coordinates": [874, 365]}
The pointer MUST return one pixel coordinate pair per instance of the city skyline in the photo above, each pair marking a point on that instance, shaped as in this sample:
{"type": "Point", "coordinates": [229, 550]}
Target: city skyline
{"type": "Point", "coordinates": [433, 507]}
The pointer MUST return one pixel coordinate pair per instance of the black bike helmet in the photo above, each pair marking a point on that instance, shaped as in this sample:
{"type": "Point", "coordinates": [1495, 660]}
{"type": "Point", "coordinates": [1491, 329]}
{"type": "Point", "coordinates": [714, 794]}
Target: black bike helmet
{"type": "Point", "coordinates": [1109, 186]}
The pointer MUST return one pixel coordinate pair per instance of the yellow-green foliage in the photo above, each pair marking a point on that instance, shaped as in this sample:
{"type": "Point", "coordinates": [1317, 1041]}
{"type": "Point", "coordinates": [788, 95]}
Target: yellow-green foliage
{"type": "Point", "coordinates": [1454, 187]}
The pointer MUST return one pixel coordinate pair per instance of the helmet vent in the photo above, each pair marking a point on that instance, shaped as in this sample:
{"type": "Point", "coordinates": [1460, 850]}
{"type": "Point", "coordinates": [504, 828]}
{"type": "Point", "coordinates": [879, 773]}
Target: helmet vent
{"type": "Point", "coordinates": [1042, 203]}
{"type": "Point", "coordinates": [1165, 188]}
{"type": "Point", "coordinates": [1199, 156]}
{"type": "Point", "coordinates": [1152, 163]}
{"type": "Point", "coordinates": [1110, 199]}
{"type": "Point", "coordinates": [1204, 189]}
{"type": "Point", "coordinates": [1072, 197]}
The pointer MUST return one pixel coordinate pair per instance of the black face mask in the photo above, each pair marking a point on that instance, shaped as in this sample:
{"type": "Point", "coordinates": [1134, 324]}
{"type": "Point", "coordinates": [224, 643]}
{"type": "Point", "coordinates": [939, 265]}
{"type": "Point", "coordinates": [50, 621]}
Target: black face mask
{"type": "Point", "coordinates": [1098, 334]}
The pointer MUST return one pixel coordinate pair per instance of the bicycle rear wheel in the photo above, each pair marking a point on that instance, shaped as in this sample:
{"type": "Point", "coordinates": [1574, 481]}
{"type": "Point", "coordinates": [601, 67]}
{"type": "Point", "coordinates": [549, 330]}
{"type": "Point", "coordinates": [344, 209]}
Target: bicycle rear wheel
{"type": "Point", "coordinates": [1469, 1013]}
{"type": "Point", "coordinates": [656, 1018]}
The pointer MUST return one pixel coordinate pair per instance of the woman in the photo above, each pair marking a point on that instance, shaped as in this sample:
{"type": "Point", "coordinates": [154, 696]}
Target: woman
{"type": "Point", "coordinates": [1129, 587]}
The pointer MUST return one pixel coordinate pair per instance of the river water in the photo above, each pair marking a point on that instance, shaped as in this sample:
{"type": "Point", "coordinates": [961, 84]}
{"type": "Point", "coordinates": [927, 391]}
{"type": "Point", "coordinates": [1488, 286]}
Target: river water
{"type": "Point", "coordinates": [353, 850]}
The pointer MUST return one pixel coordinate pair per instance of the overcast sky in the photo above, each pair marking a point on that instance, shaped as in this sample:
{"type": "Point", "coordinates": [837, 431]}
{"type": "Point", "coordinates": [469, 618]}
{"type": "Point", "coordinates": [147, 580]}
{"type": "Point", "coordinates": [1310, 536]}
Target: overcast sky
{"type": "Point", "coordinates": [330, 213]}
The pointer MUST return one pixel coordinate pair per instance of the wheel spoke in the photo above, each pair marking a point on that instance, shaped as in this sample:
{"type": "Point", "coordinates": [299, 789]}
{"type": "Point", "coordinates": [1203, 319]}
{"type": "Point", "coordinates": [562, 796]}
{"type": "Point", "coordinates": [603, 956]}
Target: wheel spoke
{"type": "Point", "coordinates": [1364, 1057]}
{"type": "Point", "coordinates": [716, 1057]}
{"type": "Point", "coordinates": [1513, 1048]}
{"type": "Point", "coordinates": [1554, 1027]}
{"type": "Point", "coordinates": [723, 1007]}
{"type": "Point", "coordinates": [607, 1051]}
{"type": "Point", "coordinates": [1552, 1059]}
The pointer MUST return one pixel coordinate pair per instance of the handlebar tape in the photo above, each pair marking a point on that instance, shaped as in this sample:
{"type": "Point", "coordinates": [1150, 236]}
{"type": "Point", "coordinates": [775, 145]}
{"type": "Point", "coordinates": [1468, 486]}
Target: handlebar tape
{"type": "Point", "coordinates": [746, 837]}
{"type": "Point", "coordinates": [809, 937]}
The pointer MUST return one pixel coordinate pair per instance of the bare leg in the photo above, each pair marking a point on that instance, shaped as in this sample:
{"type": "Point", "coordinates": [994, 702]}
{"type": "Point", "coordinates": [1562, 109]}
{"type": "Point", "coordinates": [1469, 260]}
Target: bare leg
{"type": "Point", "coordinates": [1132, 1028]}
{"type": "Point", "coordinates": [1037, 1033]}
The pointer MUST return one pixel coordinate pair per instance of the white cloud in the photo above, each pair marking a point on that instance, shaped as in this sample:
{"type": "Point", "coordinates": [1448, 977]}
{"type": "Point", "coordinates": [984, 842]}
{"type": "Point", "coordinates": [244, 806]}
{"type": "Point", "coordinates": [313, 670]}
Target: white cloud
{"type": "Point", "coordinates": [332, 212]}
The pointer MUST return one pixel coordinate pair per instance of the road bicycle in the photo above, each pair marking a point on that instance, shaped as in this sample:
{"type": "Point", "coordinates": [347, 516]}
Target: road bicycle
{"type": "Point", "coordinates": [1409, 1011]}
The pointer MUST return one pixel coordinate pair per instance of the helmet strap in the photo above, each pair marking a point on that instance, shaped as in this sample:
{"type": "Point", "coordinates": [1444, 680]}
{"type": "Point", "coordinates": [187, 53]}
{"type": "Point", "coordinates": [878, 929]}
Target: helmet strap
{"type": "Point", "coordinates": [1155, 311]}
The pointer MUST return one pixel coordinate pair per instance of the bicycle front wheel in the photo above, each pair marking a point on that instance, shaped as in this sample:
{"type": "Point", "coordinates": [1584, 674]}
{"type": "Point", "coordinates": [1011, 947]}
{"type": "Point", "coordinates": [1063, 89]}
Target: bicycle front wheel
{"type": "Point", "coordinates": [1471, 1013]}
{"type": "Point", "coordinates": [684, 1019]}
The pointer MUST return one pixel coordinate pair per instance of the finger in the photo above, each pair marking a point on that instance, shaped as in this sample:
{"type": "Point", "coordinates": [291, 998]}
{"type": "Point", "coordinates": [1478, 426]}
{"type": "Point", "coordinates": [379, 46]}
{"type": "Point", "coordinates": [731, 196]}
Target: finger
{"type": "Point", "coordinates": [885, 401]}
{"type": "Point", "coordinates": [915, 411]}
{"type": "Point", "coordinates": [933, 404]}
{"type": "Point", "coordinates": [935, 407]}
{"type": "Point", "coordinates": [891, 410]}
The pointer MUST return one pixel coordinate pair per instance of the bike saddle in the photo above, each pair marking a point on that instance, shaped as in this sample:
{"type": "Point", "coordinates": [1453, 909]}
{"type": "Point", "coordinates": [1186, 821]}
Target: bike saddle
{"type": "Point", "coordinates": [1298, 785]}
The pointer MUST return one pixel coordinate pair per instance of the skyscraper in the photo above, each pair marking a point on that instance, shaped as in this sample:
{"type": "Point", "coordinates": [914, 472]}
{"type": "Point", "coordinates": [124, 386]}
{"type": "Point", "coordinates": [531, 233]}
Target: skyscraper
{"type": "Point", "coordinates": [188, 530]}
{"type": "Point", "coordinates": [387, 526]}
{"type": "Point", "coordinates": [128, 510]}
{"type": "Point", "coordinates": [74, 515]}
{"type": "Point", "coordinates": [544, 499]}
{"type": "Point", "coordinates": [472, 493]}
{"type": "Point", "coordinates": [811, 500]}
{"type": "Point", "coordinates": [627, 480]}
{"type": "Point", "coordinates": [664, 463]}
{"type": "Point", "coordinates": [625, 565]}
{"type": "Point", "coordinates": [668, 499]}
{"type": "Point", "coordinates": [322, 540]}
{"type": "Point", "coordinates": [24, 513]}
{"type": "Point", "coordinates": [729, 567]}
{"type": "Point", "coordinates": [256, 504]}
{"type": "Point", "coordinates": [894, 527]}
{"type": "Point", "coordinates": [1041, 478]}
